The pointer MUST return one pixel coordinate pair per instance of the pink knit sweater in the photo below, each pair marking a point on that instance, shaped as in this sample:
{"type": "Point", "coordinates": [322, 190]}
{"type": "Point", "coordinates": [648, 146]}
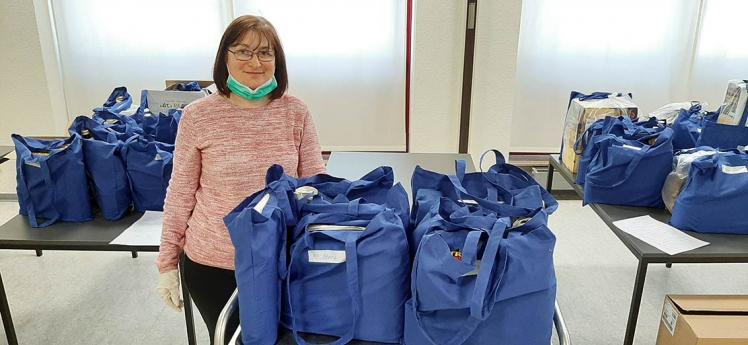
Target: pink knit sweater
{"type": "Point", "coordinates": [221, 156]}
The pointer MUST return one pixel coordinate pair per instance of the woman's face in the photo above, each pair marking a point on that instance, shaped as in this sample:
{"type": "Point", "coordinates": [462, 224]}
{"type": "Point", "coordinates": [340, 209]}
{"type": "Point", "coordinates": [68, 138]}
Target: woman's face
{"type": "Point", "coordinates": [255, 71]}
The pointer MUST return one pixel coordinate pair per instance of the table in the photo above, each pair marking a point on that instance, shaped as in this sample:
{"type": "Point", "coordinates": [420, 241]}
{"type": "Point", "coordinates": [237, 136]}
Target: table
{"type": "Point", "coordinates": [89, 236]}
{"type": "Point", "coordinates": [354, 165]}
{"type": "Point", "coordinates": [722, 248]}
{"type": "Point", "coordinates": [4, 151]}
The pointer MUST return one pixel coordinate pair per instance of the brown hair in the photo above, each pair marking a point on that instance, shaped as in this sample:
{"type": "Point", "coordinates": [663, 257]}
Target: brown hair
{"type": "Point", "coordinates": [233, 35]}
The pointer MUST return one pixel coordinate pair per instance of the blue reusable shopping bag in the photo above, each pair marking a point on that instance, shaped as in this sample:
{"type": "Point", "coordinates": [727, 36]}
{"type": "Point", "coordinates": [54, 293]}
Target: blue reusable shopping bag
{"type": "Point", "coordinates": [188, 86]}
{"type": "Point", "coordinates": [725, 137]}
{"type": "Point", "coordinates": [348, 275]}
{"type": "Point", "coordinates": [149, 165]}
{"type": "Point", "coordinates": [118, 101]}
{"type": "Point", "coordinates": [714, 197]}
{"type": "Point", "coordinates": [595, 95]}
{"type": "Point", "coordinates": [258, 231]}
{"type": "Point", "coordinates": [87, 128]}
{"type": "Point", "coordinates": [450, 215]}
{"type": "Point", "coordinates": [688, 126]}
{"type": "Point", "coordinates": [510, 177]}
{"type": "Point", "coordinates": [480, 190]}
{"type": "Point", "coordinates": [124, 126]}
{"type": "Point", "coordinates": [619, 126]}
{"type": "Point", "coordinates": [51, 180]}
{"type": "Point", "coordinates": [477, 286]}
{"type": "Point", "coordinates": [629, 172]}
{"type": "Point", "coordinates": [105, 167]}
{"type": "Point", "coordinates": [375, 187]}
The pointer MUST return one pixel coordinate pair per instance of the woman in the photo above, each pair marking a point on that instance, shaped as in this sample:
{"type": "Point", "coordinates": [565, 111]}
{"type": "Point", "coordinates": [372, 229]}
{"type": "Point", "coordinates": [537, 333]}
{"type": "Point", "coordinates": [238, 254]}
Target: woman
{"type": "Point", "coordinates": [224, 146]}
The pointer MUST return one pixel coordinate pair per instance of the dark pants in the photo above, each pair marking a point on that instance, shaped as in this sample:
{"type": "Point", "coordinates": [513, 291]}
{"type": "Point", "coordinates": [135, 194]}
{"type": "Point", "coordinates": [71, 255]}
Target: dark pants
{"type": "Point", "coordinates": [210, 289]}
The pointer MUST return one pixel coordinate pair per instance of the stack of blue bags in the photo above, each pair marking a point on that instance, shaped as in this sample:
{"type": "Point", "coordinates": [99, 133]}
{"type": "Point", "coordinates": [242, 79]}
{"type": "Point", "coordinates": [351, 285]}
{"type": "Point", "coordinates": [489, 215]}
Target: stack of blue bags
{"type": "Point", "coordinates": [625, 162]}
{"type": "Point", "coordinates": [471, 262]}
{"type": "Point", "coordinates": [111, 160]}
{"type": "Point", "coordinates": [482, 258]}
{"type": "Point", "coordinates": [322, 255]}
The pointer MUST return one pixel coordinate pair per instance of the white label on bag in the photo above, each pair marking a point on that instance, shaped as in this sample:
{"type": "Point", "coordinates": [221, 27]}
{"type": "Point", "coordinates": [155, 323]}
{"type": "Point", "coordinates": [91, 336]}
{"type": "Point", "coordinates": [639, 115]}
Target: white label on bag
{"type": "Point", "coordinates": [33, 164]}
{"type": "Point", "coordinates": [669, 317]}
{"type": "Point", "coordinates": [632, 147]}
{"type": "Point", "coordinates": [158, 157]}
{"type": "Point", "coordinates": [741, 169]}
{"type": "Point", "coordinates": [475, 271]}
{"type": "Point", "coordinates": [326, 256]}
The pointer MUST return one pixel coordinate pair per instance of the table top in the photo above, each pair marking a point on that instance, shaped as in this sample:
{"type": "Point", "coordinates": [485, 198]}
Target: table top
{"type": "Point", "coordinates": [354, 165]}
{"type": "Point", "coordinates": [5, 150]}
{"type": "Point", "coordinates": [93, 235]}
{"type": "Point", "coordinates": [722, 247]}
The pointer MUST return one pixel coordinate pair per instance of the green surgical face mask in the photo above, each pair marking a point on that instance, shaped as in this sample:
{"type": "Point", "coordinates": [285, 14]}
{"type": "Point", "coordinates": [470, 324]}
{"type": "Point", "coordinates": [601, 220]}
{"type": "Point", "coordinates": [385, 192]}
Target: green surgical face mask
{"type": "Point", "coordinates": [247, 93]}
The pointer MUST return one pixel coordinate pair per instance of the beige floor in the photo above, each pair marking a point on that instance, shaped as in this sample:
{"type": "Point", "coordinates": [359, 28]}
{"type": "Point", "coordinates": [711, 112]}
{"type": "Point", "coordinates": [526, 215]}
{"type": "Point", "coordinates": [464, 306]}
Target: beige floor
{"type": "Point", "coordinates": [109, 298]}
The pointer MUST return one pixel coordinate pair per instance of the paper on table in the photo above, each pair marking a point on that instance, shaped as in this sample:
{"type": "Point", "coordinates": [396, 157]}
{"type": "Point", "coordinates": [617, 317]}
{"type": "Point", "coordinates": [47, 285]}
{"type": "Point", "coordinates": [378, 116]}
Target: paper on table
{"type": "Point", "coordinates": [144, 232]}
{"type": "Point", "coordinates": [659, 235]}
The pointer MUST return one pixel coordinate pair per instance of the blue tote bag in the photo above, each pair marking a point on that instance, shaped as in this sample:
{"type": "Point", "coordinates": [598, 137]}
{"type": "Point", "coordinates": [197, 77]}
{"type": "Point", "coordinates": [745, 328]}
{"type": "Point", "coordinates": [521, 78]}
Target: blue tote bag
{"type": "Point", "coordinates": [118, 101]}
{"type": "Point", "coordinates": [51, 180]}
{"type": "Point", "coordinates": [450, 215]}
{"type": "Point", "coordinates": [258, 232]}
{"type": "Point", "coordinates": [479, 190]}
{"type": "Point", "coordinates": [105, 167]}
{"type": "Point", "coordinates": [348, 275]}
{"type": "Point", "coordinates": [124, 126]}
{"type": "Point", "coordinates": [629, 172]}
{"type": "Point", "coordinates": [149, 166]}
{"type": "Point", "coordinates": [500, 289]}
{"type": "Point", "coordinates": [512, 177]}
{"type": "Point", "coordinates": [688, 126]}
{"type": "Point", "coordinates": [621, 127]}
{"type": "Point", "coordinates": [725, 137]}
{"type": "Point", "coordinates": [714, 197]}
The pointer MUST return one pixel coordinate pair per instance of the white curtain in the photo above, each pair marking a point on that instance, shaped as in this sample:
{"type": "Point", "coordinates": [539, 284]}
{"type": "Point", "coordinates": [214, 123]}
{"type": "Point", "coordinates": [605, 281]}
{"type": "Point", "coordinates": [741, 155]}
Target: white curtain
{"type": "Point", "coordinates": [661, 51]}
{"type": "Point", "coordinates": [138, 44]}
{"type": "Point", "coordinates": [346, 58]}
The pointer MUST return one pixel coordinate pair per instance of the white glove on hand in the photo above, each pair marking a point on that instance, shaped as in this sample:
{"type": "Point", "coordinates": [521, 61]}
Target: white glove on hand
{"type": "Point", "coordinates": [168, 289]}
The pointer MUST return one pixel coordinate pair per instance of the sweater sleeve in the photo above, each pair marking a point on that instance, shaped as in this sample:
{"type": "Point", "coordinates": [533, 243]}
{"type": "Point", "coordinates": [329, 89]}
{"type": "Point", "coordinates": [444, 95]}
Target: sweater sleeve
{"type": "Point", "coordinates": [180, 196]}
{"type": "Point", "coordinates": [310, 153]}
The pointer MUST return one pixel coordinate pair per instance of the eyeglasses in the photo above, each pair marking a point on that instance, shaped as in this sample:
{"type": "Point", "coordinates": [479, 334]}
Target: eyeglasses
{"type": "Point", "coordinates": [246, 55]}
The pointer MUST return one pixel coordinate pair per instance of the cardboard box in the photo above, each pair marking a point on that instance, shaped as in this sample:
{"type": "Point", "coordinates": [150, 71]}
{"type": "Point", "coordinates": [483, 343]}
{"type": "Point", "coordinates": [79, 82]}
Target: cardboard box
{"type": "Point", "coordinates": [733, 110]}
{"type": "Point", "coordinates": [581, 114]}
{"type": "Point", "coordinates": [704, 320]}
{"type": "Point", "coordinates": [160, 101]}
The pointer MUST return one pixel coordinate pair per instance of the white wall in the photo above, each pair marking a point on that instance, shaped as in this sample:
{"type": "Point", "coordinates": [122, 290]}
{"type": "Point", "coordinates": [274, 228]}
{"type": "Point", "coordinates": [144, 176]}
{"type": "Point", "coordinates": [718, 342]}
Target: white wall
{"type": "Point", "coordinates": [24, 96]}
{"type": "Point", "coordinates": [436, 74]}
{"type": "Point", "coordinates": [496, 42]}
{"type": "Point", "coordinates": [32, 99]}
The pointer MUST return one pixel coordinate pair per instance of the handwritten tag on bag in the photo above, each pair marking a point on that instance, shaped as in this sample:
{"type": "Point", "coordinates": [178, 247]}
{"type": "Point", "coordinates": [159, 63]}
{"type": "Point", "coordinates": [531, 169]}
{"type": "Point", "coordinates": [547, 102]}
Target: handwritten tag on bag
{"type": "Point", "coordinates": [326, 256]}
{"type": "Point", "coordinates": [734, 170]}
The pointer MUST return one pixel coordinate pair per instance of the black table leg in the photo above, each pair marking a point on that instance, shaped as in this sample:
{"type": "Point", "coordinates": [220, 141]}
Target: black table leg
{"type": "Point", "coordinates": [549, 180]}
{"type": "Point", "coordinates": [669, 265]}
{"type": "Point", "coordinates": [38, 252]}
{"type": "Point", "coordinates": [134, 255]}
{"type": "Point", "coordinates": [189, 319]}
{"type": "Point", "coordinates": [636, 301]}
{"type": "Point", "coordinates": [10, 331]}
